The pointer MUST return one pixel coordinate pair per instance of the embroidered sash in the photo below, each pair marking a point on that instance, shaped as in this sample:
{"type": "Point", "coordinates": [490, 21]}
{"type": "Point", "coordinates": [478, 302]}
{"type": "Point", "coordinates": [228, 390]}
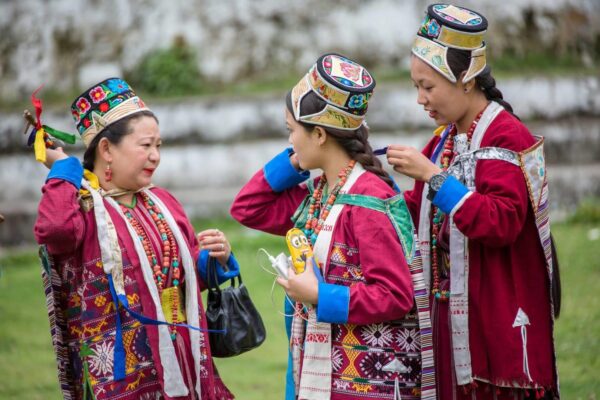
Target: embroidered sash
{"type": "Point", "coordinates": [314, 382]}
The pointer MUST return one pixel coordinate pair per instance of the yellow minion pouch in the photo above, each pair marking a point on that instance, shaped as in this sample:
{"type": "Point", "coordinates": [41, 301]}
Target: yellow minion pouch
{"type": "Point", "coordinates": [299, 247]}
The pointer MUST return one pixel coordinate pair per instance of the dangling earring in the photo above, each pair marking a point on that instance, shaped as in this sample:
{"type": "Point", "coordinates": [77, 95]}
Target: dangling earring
{"type": "Point", "coordinates": [108, 174]}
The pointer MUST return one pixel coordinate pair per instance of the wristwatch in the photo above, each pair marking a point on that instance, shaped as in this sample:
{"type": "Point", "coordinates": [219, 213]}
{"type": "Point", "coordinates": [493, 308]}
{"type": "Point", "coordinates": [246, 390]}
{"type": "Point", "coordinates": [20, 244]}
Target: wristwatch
{"type": "Point", "coordinates": [435, 184]}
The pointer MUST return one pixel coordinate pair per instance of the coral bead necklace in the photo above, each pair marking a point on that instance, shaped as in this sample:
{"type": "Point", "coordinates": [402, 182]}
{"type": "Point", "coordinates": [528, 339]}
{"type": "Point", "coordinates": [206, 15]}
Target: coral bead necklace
{"type": "Point", "coordinates": [316, 213]}
{"type": "Point", "coordinates": [438, 217]}
{"type": "Point", "coordinates": [170, 258]}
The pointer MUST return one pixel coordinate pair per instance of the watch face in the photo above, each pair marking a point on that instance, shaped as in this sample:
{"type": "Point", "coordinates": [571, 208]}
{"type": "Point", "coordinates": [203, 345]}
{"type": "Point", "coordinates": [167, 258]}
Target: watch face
{"type": "Point", "coordinates": [437, 181]}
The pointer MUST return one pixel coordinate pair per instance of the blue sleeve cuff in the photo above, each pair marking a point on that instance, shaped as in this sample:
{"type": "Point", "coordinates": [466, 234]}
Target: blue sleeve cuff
{"type": "Point", "coordinates": [334, 303]}
{"type": "Point", "coordinates": [68, 169]}
{"type": "Point", "coordinates": [233, 268]}
{"type": "Point", "coordinates": [281, 174]}
{"type": "Point", "coordinates": [451, 194]}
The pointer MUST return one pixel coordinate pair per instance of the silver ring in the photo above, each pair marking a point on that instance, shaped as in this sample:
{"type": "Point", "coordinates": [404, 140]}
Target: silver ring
{"type": "Point", "coordinates": [222, 246]}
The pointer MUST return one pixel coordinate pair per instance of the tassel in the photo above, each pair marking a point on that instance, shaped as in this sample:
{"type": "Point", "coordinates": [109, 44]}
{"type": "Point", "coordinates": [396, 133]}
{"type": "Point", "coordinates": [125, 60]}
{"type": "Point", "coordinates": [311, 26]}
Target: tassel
{"type": "Point", "coordinates": [43, 133]}
{"type": "Point", "coordinates": [39, 146]}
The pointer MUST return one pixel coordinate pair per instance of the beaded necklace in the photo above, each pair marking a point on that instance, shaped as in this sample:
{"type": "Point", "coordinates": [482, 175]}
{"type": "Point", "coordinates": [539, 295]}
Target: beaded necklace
{"type": "Point", "coordinates": [316, 218]}
{"type": "Point", "coordinates": [170, 258]}
{"type": "Point", "coordinates": [438, 215]}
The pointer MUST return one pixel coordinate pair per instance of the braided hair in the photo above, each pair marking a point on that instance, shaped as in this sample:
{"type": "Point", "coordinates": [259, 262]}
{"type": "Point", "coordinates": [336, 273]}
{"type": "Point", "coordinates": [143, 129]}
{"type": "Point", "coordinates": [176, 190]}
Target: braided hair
{"type": "Point", "coordinates": [355, 143]}
{"type": "Point", "coordinates": [459, 61]}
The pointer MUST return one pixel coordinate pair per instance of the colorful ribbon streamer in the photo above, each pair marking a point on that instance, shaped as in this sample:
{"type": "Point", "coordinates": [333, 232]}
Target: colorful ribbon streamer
{"type": "Point", "coordinates": [43, 133]}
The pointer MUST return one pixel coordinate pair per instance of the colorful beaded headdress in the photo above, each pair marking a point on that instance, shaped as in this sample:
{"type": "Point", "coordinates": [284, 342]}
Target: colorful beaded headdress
{"type": "Point", "coordinates": [343, 84]}
{"type": "Point", "coordinates": [447, 26]}
{"type": "Point", "coordinates": [103, 104]}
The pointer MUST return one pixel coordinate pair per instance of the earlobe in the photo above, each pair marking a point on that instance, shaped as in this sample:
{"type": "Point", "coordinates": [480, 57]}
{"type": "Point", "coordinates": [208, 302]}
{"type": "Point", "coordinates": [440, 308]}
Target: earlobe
{"type": "Point", "coordinates": [321, 135]}
{"type": "Point", "coordinates": [104, 150]}
{"type": "Point", "coordinates": [465, 86]}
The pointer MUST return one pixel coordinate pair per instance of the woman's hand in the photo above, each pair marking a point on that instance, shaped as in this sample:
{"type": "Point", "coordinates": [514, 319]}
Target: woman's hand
{"type": "Point", "coordinates": [216, 243]}
{"type": "Point", "coordinates": [295, 162]}
{"type": "Point", "coordinates": [53, 155]}
{"type": "Point", "coordinates": [411, 162]}
{"type": "Point", "coordinates": [302, 287]}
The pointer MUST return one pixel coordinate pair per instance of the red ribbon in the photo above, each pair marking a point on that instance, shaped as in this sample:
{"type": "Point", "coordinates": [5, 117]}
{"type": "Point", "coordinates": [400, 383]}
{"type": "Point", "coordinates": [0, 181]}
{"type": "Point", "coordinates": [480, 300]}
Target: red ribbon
{"type": "Point", "coordinates": [37, 103]}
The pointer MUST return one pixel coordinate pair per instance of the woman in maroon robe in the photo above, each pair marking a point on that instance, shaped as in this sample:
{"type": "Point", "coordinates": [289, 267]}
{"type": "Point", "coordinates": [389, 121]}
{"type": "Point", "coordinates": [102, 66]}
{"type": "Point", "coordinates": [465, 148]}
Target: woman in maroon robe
{"type": "Point", "coordinates": [480, 202]}
{"type": "Point", "coordinates": [121, 255]}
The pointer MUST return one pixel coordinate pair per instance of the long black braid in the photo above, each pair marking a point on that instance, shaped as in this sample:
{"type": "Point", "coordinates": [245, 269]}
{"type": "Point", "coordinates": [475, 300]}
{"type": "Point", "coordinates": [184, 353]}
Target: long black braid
{"type": "Point", "coordinates": [459, 61]}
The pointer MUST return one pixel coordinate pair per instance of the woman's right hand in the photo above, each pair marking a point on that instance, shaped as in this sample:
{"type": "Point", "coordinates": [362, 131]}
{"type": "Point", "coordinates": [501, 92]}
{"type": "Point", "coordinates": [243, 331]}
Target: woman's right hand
{"type": "Point", "coordinates": [216, 243]}
{"type": "Point", "coordinates": [295, 162]}
{"type": "Point", "coordinates": [53, 155]}
{"type": "Point", "coordinates": [411, 162]}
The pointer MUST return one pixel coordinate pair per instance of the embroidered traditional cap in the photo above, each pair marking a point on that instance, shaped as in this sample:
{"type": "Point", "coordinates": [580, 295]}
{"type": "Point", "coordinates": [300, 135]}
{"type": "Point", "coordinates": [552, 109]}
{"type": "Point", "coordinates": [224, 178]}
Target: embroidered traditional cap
{"type": "Point", "coordinates": [343, 84]}
{"type": "Point", "coordinates": [447, 26]}
{"type": "Point", "coordinates": [103, 104]}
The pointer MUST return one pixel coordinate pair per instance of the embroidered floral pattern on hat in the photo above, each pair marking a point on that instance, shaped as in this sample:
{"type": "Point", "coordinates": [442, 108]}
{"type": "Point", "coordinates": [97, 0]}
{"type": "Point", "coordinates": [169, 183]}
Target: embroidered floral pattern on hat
{"type": "Point", "coordinates": [83, 106]}
{"type": "Point", "coordinates": [447, 26]}
{"type": "Point", "coordinates": [457, 14]}
{"type": "Point", "coordinates": [343, 84]}
{"type": "Point", "coordinates": [103, 104]}
{"type": "Point", "coordinates": [430, 27]}
{"type": "Point", "coordinates": [346, 72]}
{"type": "Point", "coordinates": [453, 26]}
{"type": "Point", "coordinates": [97, 94]}
{"type": "Point", "coordinates": [117, 85]}
{"type": "Point", "coordinates": [358, 101]}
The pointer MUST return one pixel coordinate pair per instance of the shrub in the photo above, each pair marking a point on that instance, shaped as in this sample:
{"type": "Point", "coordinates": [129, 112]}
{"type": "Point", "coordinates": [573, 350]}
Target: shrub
{"type": "Point", "coordinates": [167, 72]}
{"type": "Point", "coordinates": [588, 212]}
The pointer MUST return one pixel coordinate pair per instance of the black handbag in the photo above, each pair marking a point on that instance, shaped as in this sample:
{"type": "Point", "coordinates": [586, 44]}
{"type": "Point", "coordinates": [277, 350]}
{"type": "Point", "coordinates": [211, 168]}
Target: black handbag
{"type": "Point", "coordinates": [230, 309]}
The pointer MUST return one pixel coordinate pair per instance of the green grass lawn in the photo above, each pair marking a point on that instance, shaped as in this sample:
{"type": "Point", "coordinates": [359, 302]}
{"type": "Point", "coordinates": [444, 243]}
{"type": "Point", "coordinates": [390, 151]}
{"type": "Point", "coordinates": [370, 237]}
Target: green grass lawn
{"type": "Point", "coordinates": [27, 365]}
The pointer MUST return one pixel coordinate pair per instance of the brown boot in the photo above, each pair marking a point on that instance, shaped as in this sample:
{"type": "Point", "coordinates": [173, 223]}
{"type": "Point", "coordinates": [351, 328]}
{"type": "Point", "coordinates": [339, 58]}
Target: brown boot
{"type": "Point", "coordinates": [1, 218]}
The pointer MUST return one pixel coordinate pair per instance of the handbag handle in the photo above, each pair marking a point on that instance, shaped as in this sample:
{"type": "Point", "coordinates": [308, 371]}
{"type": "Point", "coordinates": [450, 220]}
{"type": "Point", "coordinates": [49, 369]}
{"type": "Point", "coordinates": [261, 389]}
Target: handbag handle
{"type": "Point", "coordinates": [211, 276]}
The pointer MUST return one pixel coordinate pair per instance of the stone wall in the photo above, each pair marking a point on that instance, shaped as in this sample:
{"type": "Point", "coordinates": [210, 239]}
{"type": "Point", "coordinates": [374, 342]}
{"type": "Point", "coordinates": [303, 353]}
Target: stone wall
{"type": "Point", "coordinates": [212, 147]}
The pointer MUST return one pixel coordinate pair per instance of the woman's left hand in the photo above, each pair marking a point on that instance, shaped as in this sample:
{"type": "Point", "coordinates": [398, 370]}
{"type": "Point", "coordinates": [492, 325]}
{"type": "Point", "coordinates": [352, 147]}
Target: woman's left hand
{"type": "Point", "coordinates": [411, 162]}
{"type": "Point", "coordinates": [216, 243]}
{"type": "Point", "coordinates": [303, 287]}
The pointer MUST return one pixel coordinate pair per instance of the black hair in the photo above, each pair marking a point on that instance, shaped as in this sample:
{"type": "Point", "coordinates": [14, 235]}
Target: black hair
{"type": "Point", "coordinates": [114, 133]}
{"type": "Point", "coordinates": [355, 143]}
{"type": "Point", "coordinates": [459, 60]}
